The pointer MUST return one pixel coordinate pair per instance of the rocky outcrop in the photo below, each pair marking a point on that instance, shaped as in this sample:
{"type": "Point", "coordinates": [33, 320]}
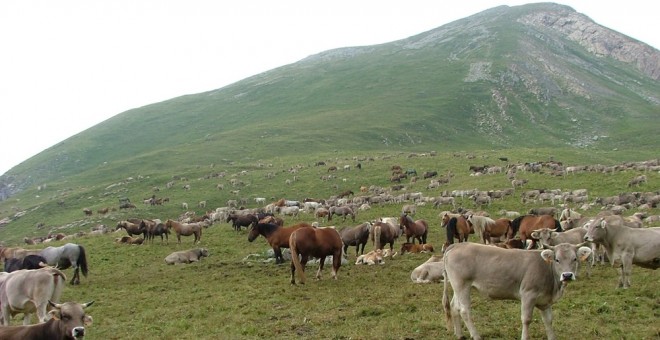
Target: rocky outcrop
{"type": "Point", "coordinates": [597, 39]}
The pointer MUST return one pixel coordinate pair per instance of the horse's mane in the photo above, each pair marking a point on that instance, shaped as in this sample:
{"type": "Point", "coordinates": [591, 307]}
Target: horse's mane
{"type": "Point", "coordinates": [267, 228]}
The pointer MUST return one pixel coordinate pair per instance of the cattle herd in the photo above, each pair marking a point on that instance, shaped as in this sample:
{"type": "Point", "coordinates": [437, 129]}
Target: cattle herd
{"type": "Point", "coordinates": [558, 237]}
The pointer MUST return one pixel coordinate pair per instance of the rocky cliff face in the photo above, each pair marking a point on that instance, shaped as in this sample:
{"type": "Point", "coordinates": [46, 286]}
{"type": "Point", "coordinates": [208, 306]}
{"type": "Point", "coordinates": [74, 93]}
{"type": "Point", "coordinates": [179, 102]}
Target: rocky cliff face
{"type": "Point", "coordinates": [597, 39]}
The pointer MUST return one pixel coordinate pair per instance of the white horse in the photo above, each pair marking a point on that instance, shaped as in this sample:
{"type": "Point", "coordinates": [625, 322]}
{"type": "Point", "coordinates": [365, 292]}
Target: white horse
{"type": "Point", "coordinates": [479, 223]}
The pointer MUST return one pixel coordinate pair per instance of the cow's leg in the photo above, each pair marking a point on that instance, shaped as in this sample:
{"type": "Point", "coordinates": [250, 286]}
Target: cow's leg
{"type": "Point", "coordinates": [546, 316]}
{"type": "Point", "coordinates": [26, 319]}
{"type": "Point", "coordinates": [526, 310]}
{"type": "Point", "coordinates": [464, 306]}
{"type": "Point", "coordinates": [626, 269]}
{"type": "Point", "coordinates": [456, 318]}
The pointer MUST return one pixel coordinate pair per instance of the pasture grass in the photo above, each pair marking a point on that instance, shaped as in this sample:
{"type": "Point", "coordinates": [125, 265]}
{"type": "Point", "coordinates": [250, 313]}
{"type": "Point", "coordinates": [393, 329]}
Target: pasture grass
{"type": "Point", "coordinates": [225, 297]}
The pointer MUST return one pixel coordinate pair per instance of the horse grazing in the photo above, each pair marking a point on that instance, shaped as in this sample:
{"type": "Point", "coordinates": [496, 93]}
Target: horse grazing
{"type": "Point", "coordinates": [132, 228]}
{"type": "Point", "coordinates": [68, 255]}
{"type": "Point", "coordinates": [276, 235]}
{"type": "Point", "coordinates": [239, 221]}
{"type": "Point", "coordinates": [185, 229]}
{"type": "Point", "coordinates": [457, 228]}
{"type": "Point", "coordinates": [528, 223]}
{"type": "Point", "coordinates": [355, 236]}
{"type": "Point", "coordinates": [418, 229]}
{"type": "Point", "coordinates": [341, 211]}
{"type": "Point", "coordinates": [315, 242]}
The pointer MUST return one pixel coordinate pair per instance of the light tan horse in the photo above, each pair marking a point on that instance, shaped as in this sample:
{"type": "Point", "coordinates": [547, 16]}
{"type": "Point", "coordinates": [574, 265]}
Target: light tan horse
{"type": "Point", "coordinates": [185, 229]}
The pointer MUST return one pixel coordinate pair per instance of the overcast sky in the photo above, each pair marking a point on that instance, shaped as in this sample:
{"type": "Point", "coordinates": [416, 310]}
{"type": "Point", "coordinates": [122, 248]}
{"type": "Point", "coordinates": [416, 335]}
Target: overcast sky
{"type": "Point", "coordinates": [66, 66]}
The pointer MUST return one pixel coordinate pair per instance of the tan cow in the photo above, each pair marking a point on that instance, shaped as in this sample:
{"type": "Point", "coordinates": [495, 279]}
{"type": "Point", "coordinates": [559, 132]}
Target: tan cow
{"type": "Point", "coordinates": [538, 280]}
{"type": "Point", "coordinates": [67, 321]}
{"type": "Point", "coordinates": [187, 256]}
{"type": "Point", "coordinates": [626, 246]}
{"type": "Point", "coordinates": [28, 292]}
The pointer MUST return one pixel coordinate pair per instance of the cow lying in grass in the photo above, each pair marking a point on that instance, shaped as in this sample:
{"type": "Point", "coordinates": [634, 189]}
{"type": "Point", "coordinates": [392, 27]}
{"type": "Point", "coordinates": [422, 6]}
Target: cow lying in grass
{"type": "Point", "coordinates": [429, 271]}
{"type": "Point", "coordinates": [187, 256]}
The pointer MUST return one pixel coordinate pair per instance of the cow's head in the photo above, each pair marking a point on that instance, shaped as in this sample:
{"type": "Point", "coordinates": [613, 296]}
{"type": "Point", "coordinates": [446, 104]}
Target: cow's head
{"type": "Point", "coordinates": [595, 230]}
{"type": "Point", "coordinates": [564, 259]}
{"type": "Point", "coordinates": [72, 318]}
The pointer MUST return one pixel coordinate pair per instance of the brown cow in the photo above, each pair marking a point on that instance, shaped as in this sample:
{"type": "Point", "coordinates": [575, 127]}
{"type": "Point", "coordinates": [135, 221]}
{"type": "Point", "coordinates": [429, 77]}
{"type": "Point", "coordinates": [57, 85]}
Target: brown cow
{"type": "Point", "coordinates": [67, 321]}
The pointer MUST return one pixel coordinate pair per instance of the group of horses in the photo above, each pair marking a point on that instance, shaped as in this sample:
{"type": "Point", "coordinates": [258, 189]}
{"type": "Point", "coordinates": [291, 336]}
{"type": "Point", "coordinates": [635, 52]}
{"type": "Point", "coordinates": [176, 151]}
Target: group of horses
{"type": "Point", "coordinates": [70, 255]}
{"type": "Point", "coordinates": [459, 227]}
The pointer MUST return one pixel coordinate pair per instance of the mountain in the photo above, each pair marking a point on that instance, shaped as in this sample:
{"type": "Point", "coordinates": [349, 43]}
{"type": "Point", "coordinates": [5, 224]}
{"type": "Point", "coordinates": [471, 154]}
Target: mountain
{"type": "Point", "coordinates": [538, 75]}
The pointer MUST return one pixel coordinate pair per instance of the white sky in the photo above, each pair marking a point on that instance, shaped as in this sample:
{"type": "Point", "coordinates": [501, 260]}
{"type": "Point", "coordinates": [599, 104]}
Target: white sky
{"type": "Point", "coordinates": [66, 66]}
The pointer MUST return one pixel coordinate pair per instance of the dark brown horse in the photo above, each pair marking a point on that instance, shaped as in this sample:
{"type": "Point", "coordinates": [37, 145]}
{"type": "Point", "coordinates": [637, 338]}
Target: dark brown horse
{"type": "Point", "coordinates": [239, 221]}
{"type": "Point", "coordinates": [457, 228]}
{"type": "Point", "coordinates": [418, 229]}
{"type": "Point", "coordinates": [277, 236]}
{"type": "Point", "coordinates": [528, 223]}
{"type": "Point", "coordinates": [382, 233]}
{"type": "Point", "coordinates": [185, 229]}
{"type": "Point", "coordinates": [133, 228]}
{"type": "Point", "coordinates": [355, 236]}
{"type": "Point", "coordinates": [315, 242]}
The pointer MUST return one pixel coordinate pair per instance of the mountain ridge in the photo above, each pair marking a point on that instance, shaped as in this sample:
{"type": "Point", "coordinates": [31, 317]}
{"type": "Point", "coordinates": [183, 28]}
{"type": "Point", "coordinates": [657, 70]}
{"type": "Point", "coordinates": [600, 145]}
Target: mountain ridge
{"type": "Point", "coordinates": [490, 80]}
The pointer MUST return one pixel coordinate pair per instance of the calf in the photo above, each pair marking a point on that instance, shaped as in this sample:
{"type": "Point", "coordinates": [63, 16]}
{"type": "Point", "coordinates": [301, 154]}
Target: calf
{"type": "Point", "coordinates": [430, 271]}
{"type": "Point", "coordinates": [67, 321]}
{"type": "Point", "coordinates": [538, 280]}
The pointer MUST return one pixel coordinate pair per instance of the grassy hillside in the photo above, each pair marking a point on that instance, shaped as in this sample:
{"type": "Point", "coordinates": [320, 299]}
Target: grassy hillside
{"type": "Point", "coordinates": [493, 80]}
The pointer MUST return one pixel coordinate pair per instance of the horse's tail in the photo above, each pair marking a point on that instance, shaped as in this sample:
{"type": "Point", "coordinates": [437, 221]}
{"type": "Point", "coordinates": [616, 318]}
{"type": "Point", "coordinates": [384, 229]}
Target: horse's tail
{"type": "Point", "coordinates": [451, 230]}
{"type": "Point", "coordinates": [377, 231]}
{"type": "Point", "coordinates": [82, 260]}
{"type": "Point", "coordinates": [558, 227]}
{"type": "Point", "coordinates": [295, 260]}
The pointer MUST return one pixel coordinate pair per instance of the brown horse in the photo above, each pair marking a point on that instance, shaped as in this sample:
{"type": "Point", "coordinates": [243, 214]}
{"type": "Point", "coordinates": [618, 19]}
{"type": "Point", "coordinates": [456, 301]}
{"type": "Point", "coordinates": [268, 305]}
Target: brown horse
{"type": "Point", "coordinates": [277, 236]}
{"type": "Point", "coordinates": [457, 227]}
{"type": "Point", "coordinates": [528, 223]}
{"type": "Point", "coordinates": [185, 229]}
{"type": "Point", "coordinates": [239, 221]}
{"type": "Point", "coordinates": [382, 233]}
{"type": "Point", "coordinates": [315, 242]}
{"type": "Point", "coordinates": [485, 227]}
{"type": "Point", "coordinates": [133, 228]}
{"type": "Point", "coordinates": [418, 229]}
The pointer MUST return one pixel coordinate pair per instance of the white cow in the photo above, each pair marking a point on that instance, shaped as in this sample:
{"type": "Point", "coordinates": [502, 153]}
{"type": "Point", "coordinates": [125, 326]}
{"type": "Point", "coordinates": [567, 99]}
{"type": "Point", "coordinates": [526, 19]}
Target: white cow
{"type": "Point", "coordinates": [626, 246]}
{"type": "Point", "coordinates": [430, 271]}
{"type": "Point", "coordinates": [28, 291]}
{"type": "Point", "coordinates": [537, 279]}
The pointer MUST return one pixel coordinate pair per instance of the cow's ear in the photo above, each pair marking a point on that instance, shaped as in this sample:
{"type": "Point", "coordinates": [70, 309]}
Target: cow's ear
{"type": "Point", "coordinates": [87, 320]}
{"type": "Point", "coordinates": [553, 234]}
{"type": "Point", "coordinates": [583, 253]}
{"type": "Point", "coordinates": [548, 255]}
{"type": "Point", "coordinates": [55, 314]}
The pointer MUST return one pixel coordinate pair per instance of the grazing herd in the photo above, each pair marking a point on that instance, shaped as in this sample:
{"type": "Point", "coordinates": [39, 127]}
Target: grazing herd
{"type": "Point", "coordinates": [547, 244]}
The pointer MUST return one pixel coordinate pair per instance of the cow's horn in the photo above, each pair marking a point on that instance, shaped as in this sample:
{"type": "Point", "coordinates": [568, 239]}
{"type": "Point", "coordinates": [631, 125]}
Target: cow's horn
{"type": "Point", "coordinates": [547, 246]}
{"type": "Point", "coordinates": [56, 305]}
{"type": "Point", "coordinates": [85, 305]}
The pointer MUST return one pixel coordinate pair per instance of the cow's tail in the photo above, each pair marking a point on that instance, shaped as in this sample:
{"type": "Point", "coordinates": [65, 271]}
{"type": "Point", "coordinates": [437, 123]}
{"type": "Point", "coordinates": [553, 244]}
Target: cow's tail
{"type": "Point", "coordinates": [445, 297]}
{"type": "Point", "coordinates": [295, 260]}
{"type": "Point", "coordinates": [59, 281]}
{"type": "Point", "coordinates": [82, 260]}
{"type": "Point", "coordinates": [377, 231]}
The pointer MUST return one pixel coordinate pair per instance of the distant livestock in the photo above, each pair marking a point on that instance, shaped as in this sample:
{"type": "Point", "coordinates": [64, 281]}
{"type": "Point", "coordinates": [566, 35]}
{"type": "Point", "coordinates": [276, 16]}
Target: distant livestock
{"type": "Point", "coordinates": [187, 256]}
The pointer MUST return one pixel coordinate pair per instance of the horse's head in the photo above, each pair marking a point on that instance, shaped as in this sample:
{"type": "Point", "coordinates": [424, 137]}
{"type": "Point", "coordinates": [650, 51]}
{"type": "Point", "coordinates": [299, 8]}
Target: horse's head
{"type": "Point", "coordinates": [255, 231]}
